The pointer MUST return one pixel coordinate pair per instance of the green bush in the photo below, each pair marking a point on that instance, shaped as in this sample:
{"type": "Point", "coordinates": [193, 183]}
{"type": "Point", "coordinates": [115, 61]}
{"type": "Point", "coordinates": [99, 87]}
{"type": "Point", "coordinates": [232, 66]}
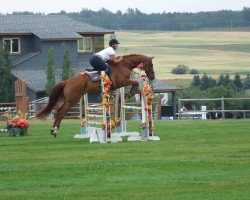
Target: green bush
{"type": "Point", "coordinates": [193, 71]}
{"type": "Point", "coordinates": [180, 69]}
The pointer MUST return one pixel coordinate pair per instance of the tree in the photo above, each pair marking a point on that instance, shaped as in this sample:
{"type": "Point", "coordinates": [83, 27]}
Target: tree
{"type": "Point", "coordinates": [246, 16]}
{"type": "Point", "coordinates": [220, 91]}
{"type": "Point", "coordinates": [66, 68]}
{"type": "Point", "coordinates": [238, 82]}
{"type": "Point", "coordinates": [246, 83]}
{"type": "Point", "coordinates": [212, 82]}
{"type": "Point", "coordinates": [51, 81]}
{"type": "Point", "coordinates": [221, 80]}
{"type": "Point", "coordinates": [6, 77]}
{"type": "Point", "coordinates": [227, 80]}
{"type": "Point", "coordinates": [196, 82]}
{"type": "Point", "coordinates": [205, 82]}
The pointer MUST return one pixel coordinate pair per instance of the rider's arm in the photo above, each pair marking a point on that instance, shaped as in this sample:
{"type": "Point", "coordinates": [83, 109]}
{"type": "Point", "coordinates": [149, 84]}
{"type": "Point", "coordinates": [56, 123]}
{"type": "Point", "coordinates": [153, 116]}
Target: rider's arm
{"type": "Point", "coordinates": [116, 59]}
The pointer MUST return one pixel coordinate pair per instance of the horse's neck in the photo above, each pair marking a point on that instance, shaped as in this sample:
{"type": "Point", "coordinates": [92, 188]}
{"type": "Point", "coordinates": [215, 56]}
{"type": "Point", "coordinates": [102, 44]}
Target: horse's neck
{"type": "Point", "coordinates": [132, 63]}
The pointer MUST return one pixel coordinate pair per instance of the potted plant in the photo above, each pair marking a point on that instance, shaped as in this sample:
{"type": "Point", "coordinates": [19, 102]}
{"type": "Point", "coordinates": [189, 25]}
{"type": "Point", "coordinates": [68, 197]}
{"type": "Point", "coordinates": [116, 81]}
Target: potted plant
{"type": "Point", "coordinates": [17, 125]}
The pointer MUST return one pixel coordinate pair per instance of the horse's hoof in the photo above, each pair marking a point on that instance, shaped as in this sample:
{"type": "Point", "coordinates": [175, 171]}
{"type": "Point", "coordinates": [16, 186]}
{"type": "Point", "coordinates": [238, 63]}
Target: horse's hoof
{"type": "Point", "coordinates": [53, 132]}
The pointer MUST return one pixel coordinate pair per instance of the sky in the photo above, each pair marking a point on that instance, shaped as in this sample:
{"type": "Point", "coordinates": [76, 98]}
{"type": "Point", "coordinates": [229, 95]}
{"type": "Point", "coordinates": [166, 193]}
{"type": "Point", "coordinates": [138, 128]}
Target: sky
{"type": "Point", "coordinates": [145, 6]}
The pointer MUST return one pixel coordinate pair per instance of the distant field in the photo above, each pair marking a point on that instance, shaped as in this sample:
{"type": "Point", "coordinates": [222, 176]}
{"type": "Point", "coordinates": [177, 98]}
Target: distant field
{"type": "Point", "coordinates": [208, 52]}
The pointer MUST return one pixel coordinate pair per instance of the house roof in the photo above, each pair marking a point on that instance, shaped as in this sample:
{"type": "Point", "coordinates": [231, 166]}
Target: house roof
{"type": "Point", "coordinates": [47, 27]}
{"type": "Point", "coordinates": [161, 86]}
{"type": "Point", "coordinates": [25, 57]}
{"type": "Point", "coordinates": [36, 79]}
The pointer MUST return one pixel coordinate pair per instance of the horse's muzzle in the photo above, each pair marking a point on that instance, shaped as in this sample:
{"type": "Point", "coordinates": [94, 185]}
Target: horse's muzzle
{"type": "Point", "coordinates": [151, 77]}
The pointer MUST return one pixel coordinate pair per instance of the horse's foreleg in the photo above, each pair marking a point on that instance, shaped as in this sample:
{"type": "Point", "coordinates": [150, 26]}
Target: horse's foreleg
{"type": "Point", "coordinates": [59, 116]}
{"type": "Point", "coordinates": [133, 89]}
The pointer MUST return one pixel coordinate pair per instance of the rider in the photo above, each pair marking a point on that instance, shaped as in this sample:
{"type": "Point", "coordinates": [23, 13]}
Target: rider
{"type": "Point", "coordinates": [99, 60]}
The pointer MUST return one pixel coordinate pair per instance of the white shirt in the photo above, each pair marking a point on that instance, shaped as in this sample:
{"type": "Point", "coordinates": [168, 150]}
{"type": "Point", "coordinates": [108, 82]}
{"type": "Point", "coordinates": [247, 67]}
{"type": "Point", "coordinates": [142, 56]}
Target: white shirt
{"type": "Point", "coordinates": [106, 54]}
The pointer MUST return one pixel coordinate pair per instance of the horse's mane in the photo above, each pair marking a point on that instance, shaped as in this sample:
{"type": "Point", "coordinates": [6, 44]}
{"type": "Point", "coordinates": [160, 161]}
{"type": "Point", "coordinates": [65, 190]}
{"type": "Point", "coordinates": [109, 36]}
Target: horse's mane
{"type": "Point", "coordinates": [130, 55]}
{"type": "Point", "coordinates": [125, 57]}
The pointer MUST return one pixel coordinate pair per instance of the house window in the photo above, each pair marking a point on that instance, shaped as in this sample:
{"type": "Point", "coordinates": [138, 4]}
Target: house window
{"type": "Point", "coordinates": [85, 44]}
{"type": "Point", "coordinates": [13, 44]}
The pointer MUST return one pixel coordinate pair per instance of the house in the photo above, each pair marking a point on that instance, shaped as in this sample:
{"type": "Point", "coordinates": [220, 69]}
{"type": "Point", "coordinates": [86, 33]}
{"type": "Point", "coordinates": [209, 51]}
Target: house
{"type": "Point", "coordinates": [31, 36]}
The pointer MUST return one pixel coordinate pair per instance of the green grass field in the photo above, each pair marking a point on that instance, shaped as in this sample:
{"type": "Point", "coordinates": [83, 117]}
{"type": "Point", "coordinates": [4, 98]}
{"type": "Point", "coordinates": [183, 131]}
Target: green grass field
{"type": "Point", "coordinates": [211, 52]}
{"type": "Point", "coordinates": [199, 159]}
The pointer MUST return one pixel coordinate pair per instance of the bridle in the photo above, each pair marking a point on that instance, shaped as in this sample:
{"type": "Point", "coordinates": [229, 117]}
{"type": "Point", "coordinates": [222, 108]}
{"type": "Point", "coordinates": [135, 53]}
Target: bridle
{"type": "Point", "coordinates": [140, 66]}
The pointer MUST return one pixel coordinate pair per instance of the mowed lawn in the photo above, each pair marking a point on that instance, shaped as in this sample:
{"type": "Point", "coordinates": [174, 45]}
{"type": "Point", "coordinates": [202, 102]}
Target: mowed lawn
{"type": "Point", "coordinates": [211, 52]}
{"type": "Point", "coordinates": [201, 159]}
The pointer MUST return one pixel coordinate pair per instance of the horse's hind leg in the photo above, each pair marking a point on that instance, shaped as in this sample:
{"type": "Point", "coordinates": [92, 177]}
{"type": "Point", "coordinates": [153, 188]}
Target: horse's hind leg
{"type": "Point", "coordinates": [133, 89]}
{"type": "Point", "coordinates": [59, 116]}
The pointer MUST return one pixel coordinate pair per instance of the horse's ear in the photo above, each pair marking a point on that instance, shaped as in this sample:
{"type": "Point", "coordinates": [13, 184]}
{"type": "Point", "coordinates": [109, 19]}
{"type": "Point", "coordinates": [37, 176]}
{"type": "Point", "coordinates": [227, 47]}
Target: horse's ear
{"type": "Point", "coordinates": [151, 58]}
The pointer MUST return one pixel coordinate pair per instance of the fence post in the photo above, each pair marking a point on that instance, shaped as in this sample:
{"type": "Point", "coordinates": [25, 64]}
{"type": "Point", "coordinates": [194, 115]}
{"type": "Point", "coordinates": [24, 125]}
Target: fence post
{"type": "Point", "coordinates": [174, 105]}
{"type": "Point", "coordinates": [179, 108]}
{"type": "Point", "coordinates": [223, 107]}
{"type": "Point", "coordinates": [159, 109]}
{"type": "Point", "coordinates": [22, 101]}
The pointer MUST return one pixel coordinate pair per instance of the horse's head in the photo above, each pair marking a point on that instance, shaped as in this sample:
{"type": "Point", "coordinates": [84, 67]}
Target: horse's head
{"type": "Point", "coordinates": [148, 68]}
{"type": "Point", "coordinates": [140, 61]}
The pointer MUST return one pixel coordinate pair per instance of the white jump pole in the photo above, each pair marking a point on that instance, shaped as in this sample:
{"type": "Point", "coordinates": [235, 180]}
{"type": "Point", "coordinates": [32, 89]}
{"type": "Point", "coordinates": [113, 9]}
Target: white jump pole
{"type": "Point", "coordinates": [122, 114]}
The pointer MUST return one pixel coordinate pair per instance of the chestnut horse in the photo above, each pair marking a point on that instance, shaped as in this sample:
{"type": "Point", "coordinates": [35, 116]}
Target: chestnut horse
{"type": "Point", "coordinates": [70, 91]}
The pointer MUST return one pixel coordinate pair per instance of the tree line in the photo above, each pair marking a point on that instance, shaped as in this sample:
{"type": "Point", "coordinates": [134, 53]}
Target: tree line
{"type": "Point", "coordinates": [134, 19]}
{"type": "Point", "coordinates": [206, 82]}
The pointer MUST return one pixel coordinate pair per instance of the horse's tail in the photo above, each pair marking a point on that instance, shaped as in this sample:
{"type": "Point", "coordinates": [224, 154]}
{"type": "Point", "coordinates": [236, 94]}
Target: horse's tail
{"type": "Point", "coordinates": [55, 95]}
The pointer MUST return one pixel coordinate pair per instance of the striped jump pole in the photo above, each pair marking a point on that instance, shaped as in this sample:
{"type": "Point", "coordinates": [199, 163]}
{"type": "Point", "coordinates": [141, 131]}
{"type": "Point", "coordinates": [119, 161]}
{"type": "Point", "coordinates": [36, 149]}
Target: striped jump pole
{"type": "Point", "coordinates": [106, 105]}
{"type": "Point", "coordinates": [147, 99]}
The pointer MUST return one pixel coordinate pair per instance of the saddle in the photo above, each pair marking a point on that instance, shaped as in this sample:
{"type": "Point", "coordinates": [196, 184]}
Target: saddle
{"type": "Point", "coordinates": [94, 75]}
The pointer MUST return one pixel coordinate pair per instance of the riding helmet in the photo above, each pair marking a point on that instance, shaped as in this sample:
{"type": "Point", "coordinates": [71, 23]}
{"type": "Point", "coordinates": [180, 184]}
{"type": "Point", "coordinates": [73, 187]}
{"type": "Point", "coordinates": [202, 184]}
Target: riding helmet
{"type": "Point", "coordinates": [113, 41]}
